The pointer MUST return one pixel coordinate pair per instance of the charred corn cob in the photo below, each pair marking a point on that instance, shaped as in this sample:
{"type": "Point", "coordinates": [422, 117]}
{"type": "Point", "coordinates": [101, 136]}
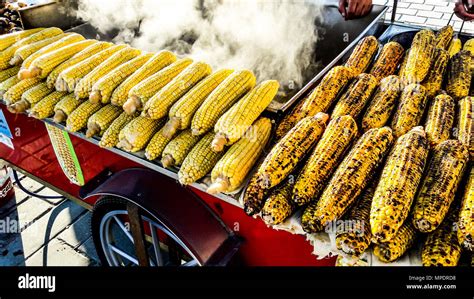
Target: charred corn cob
{"type": "Point", "coordinates": [362, 55]}
{"type": "Point", "coordinates": [410, 109]}
{"type": "Point", "coordinates": [289, 120]}
{"type": "Point", "coordinates": [101, 120]}
{"type": "Point", "coordinates": [254, 196]}
{"type": "Point", "coordinates": [25, 51]}
{"type": "Point", "coordinates": [182, 111]}
{"type": "Point", "coordinates": [14, 93]}
{"type": "Point", "coordinates": [388, 60]}
{"type": "Point", "coordinates": [200, 161]}
{"type": "Point", "coordinates": [7, 40]}
{"type": "Point", "coordinates": [439, 122]}
{"type": "Point", "coordinates": [111, 135]}
{"type": "Point", "coordinates": [398, 184]}
{"type": "Point", "coordinates": [337, 138]}
{"type": "Point", "coordinates": [454, 47]}
{"type": "Point", "coordinates": [353, 101]}
{"type": "Point", "coordinates": [136, 134]}
{"type": "Point", "coordinates": [444, 37]}
{"type": "Point", "coordinates": [178, 148]}
{"type": "Point", "coordinates": [230, 172]}
{"type": "Point", "coordinates": [290, 150]}
{"type": "Point", "coordinates": [159, 105]}
{"type": "Point", "coordinates": [102, 90]}
{"type": "Point", "coordinates": [400, 243]}
{"type": "Point", "coordinates": [435, 77]}
{"type": "Point", "coordinates": [8, 73]}
{"type": "Point", "coordinates": [155, 64]}
{"type": "Point", "coordinates": [465, 233]}
{"type": "Point", "coordinates": [143, 91]}
{"type": "Point", "coordinates": [236, 121]}
{"type": "Point", "coordinates": [403, 65]}
{"type": "Point", "coordinates": [65, 107]}
{"type": "Point", "coordinates": [469, 46]}
{"type": "Point", "coordinates": [419, 58]}
{"type": "Point", "coordinates": [77, 120]}
{"type": "Point", "coordinates": [459, 75]}
{"type": "Point", "coordinates": [156, 145]}
{"type": "Point", "coordinates": [442, 178]}
{"type": "Point", "coordinates": [465, 123]}
{"type": "Point", "coordinates": [7, 84]}
{"type": "Point", "coordinates": [221, 99]}
{"type": "Point", "coordinates": [30, 97]}
{"type": "Point", "coordinates": [349, 179]}
{"type": "Point", "coordinates": [278, 205]}
{"type": "Point", "coordinates": [45, 107]}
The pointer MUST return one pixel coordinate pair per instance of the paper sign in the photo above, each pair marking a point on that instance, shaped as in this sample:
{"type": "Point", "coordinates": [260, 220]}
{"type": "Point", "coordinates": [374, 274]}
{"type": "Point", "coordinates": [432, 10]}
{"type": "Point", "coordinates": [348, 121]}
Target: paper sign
{"type": "Point", "coordinates": [7, 141]}
{"type": "Point", "coordinates": [4, 129]}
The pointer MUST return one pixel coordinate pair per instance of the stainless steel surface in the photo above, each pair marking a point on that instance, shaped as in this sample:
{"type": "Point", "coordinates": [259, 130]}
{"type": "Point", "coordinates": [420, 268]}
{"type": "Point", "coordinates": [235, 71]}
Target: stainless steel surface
{"type": "Point", "coordinates": [51, 14]}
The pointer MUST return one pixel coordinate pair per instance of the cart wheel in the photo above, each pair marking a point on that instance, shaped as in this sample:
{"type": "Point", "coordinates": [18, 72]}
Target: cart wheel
{"type": "Point", "coordinates": [118, 238]}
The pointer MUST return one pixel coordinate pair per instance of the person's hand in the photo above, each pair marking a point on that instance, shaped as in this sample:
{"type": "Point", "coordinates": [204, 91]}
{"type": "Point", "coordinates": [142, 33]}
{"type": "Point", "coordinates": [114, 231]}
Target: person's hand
{"type": "Point", "coordinates": [351, 9]}
{"type": "Point", "coordinates": [461, 12]}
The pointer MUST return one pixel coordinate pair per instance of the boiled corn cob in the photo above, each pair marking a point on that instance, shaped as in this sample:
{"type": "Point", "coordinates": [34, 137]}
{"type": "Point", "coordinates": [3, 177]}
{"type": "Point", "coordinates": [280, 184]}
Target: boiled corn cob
{"type": "Point", "coordinates": [178, 148]}
{"type": "Point", "coordinates": [454, 47]}
{"type": "Point", "coordinates": [230, 172]}
{"type": "Point", "coordinates": [465, 123]}
{"type": "Point", "coordinates": [143, 91]}
{"type": "Point", "coordinates": [45, 107]}
{"type": "Point", "coordinates": [290, 150]}
{"type": "Point", "coordinates": [8, 73]}
{"type": "Point", "coordinates": [459, 75]}
{"type": "Point", "coordinates": [7, 40]}
{"type": "Point", "coordinates": [435, 77]}
{"type": "Point", "coordinates": [439, 122]}
{"type": "Point", "coordinates": [337, 138]}
{"type": "Point", "coordinates": [419, 58]}
{"type": "Point", "coordinates": [362, 55]}
{"type": "Point", "coordinates": [156, 145]}
{"type": "Point", "coordinates": [182, 111]}
{"type": "Point", "coordinates": [465, 233]}
{"type": "Point", "coordinates": [442, 178]}
{"type": "Point", "coordinates": [348, 181]}
{"type": "Point", "coordinates": [111, 135]}
{"type": "Point", "coordinates": [200, 161]}
{"type": "Point", "coordinates": [400, 243]}
{"type": "Point", "coordinates": [444, 37]}
{"type": "Point", "coordinates": [30, 98]}
{"type": "Point", "coordinates": [410, 109]}
{"type": "Point", "coordinates": [101, 120]}
{"type": "Point", "coordinates": [155, 64]}
{"type": "Point", "coordinates": [77, 120]}
{"type": "Point", "coordinates": [398, 184]}
{"type": "Point", "coordinates": [65, 107]}
{"type": "Point", "coordinates": [14, 93]}
{"type": "Point", "coordinates": [278, 206]}
{"type": "Point", "coordinates": [221, 99]}
{"type": "Point", "coordinates": [7, 84]}
{"type": "Point", "coordinates": [388, 60]}
{"type": "Point", "coordinates": [254, 196]}
{"type": "Point", "coordinates": [25, 51]}
{"type": "Point", "coordinates": [159, 105]}
{"type": "Point", "coordinates": [236, 121]}
{"type": "Point", "coordinates": [136, 134]}
{"type": "Point", "coordinates": [353, 101]}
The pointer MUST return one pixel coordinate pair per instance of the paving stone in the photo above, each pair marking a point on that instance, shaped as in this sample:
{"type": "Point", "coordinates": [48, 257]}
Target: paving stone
{"type": "Point", "coordinates": [78, 232]}
{"type": "Point", "coordinates": [88, 248]}
{"type": "Point", "coordinates": [31, 185]}
{"type": "Point", "coordinates": [59, 253]}
{"type": "Point", "coordinates": [49, 192]}
{"type": "Point", "coordinates": [29, 211]}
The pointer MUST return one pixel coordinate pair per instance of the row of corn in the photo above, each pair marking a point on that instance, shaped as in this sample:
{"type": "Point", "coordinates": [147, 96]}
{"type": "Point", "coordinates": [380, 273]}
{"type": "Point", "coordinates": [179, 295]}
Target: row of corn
{"type": "Point", "coordinates": [382, 145]}
{"type": "Point", "coordinates": [175, 109]}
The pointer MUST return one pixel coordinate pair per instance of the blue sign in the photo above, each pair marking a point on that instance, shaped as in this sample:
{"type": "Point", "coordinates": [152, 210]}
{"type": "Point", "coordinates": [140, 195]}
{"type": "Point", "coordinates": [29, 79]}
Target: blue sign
{"type": "Point", "coordinates": [4, 129]}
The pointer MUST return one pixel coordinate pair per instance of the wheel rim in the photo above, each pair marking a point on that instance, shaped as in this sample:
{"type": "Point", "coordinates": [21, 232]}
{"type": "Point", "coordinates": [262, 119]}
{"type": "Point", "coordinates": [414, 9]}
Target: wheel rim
{"type": "Point", "coordinates": [118, 245]}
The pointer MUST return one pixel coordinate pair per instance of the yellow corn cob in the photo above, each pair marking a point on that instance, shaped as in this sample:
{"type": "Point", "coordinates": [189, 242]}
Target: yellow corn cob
{"type": "Point", "coordinates": [68, 78]}
{"type": "Point", "coordinates": [388, 60]}
{"type": "Point", "coordinates": [65, 107]}
{"type": "Point", "coordinates": [101, 120]}
{"type": "Point", "coordinates": [444, 37]}
{"type": "Point", "coordinates": [24, 52]}
{"type": "Point", "coordinates": [76, 59]}
{"type": "Point", "coordinates": [7, 84]}
{"type": "Point", "coordinates": [144, 90]}
{"type": "Point", "coordinates": [221, 99]}
{"type": "Point", "coordinates": [84, 86]}
{"type": "Point", "coordinates": [454, 47]}
{"type": "Point", "coordinates": [182, 111]}
{"type": "Point", "coordinates": [136, 134]}
{"type": "Point", "coordinates": [362, 55]}
{"type": "Point", "coordinates": [289, 120]}
{"type": "Point", "coordinates": [398, 183]}
{"type": "Point", "coordinates": [400, 243]}
{"type": "Point", "coordinates": [45, 64]}
{"type": "Point", "coordinates": [230, 172]}
{"type": "Point", "coordinates": [349, 179]}
{"type": "Point", "coordinates": [410, 109]}
{"type": "Point", "coordinates": [200, 161]}
{"type": "Point", "coordinates": [403, 65]}
{"type": "Point", "coordinates": [465, 123]}
{"type": "Point", "coordinates": [111, 135]}
{"type": "Point", "coordinates": [254, 196]}
{"type": "Point", "coordinates": [290, 150]}
{"type": "Point", "coordinates": [353, 101]}
{"type": "Point", "coordinates": [45, 107]}
{"type": "Point", "coordinates": [469, 46]}
{"type": "Point", "coordinates": [419, 58]}
{"type": "Point", "coordinates": [439, 122]}
{"type": "Point", "coordinates": [236, 121]}
{"type": "Point", "coordinates": [465, 233]}
{"type": "Point", "coordinates": [435, 77]}
{"type": "Point", "coordinates": [155, 64]}
{"type": "Point", "coordinates": [30, 98]}
{"type": "Point", "coordinates": [459, 75]}
{"type": "Point", "coordinates": [8, 73]}
{"type": "Point", "coordinates": [7, 40]}
{"type": "Point", "coordinates": [442, 178]}
{"type": "Point", "coordinates": [102, 90]}
{"type": "Point", "coordinates": [159, 105]}
{"type": "Point", "coordinates": [14, 93]}
{"type": "Point", "coordinates": [278, 205]}
{"type": "Point", "coordinates": [178, 148]}
{"type": "Point", "coordinates": [77, 120]}
{"type": "Point", "coordinates": [156, 145]}
{"type": "Point", "coordinates": [337, 138]}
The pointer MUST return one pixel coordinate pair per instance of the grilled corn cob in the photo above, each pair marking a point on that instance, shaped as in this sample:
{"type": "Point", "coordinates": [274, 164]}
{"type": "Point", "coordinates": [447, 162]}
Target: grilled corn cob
{"type": "Point", "coordinates": [465, 233]}
{"type": "Point", "coordinates": [254, 196]}
{"type": "Point", "coordinates": [388, 60]}
{"type": "Point", "coordinates": [230, 172]}
{"type": "Point", "coordinates": [349, 179]}
{"type": "Point", "coordinates": [111, 135]}
{"type": "Point", "coordinates": [236, 121]}
{"type": "Point", "coordinates": [419, 58]}
{"type": "Point", "coordinates": [156, 145]}
{"type": "Point", "coordinates": [45, 107]}
{"type": "Point", "coordinates": [8, 73]}
{"type": "Point", "coordinates": [454, 47]}
{"type": "Point", "coordinates": [459, 75]}
{"type": "Point", "coordinates": [439, 185]}
{"type": "Point", "coordinates": [290, 150]}
{"type": "Point", "coordinates": [65, 107]}
{"type": "Point", "coordinates": [14, 93]}
{"type": "Point", "coordinates": [159, 105]}
{"type": "Point", "coordinates": [353, 101]}
{"type": "Point", "coordinates": [101, 120]}
{"type": "Point", "coordinates": [444, 37]}
{"type": "Point", "coordinates": [403, 65]}
{"type": "Point", "coordinates": [435, 77]}
{"type": "Point", "coordinates": [7, 84]}
{"type": "Point", "coordinates": [182, 111]}
{"type": "Point", "coordinates": [155, 64]}
{"type": "Point", "coordinates": [337, 138]}
{"type": "Point", "coordinates": [400, 243]}
{"type": "Point", "coordinates": [25, 51]}
{"type": "Point", "coordinates": [144, 90]}
{"type": "Point", "coordinates": [410, 109]}
{"type": "Point", "coordinates": [362, 55]}
{"type": "Point", "coordinates": [398, 183]}
{"type": "Point", "coordinates": [178, 148]}
{"type": "Point", "coordinates": [221, 99]}
{"type": "Point", "coordinates": [136, 134]}
{"type": "Point", "coordinates": [30, 97]}
{"type": "Point", "coordinates": [439, 122]}
{"type": "Point", "coordinates": [7, 40]}
{"type": "Point", "coordinates": [469, 46]}
{"type": "Point", "coordinates": [465, 123]}
{"type": "Point", "coordinates": [200, 161]}
{"type": "Point", "coordinates": [77, 120]}
{"type": "Point", "coordinates": [278, 205]}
